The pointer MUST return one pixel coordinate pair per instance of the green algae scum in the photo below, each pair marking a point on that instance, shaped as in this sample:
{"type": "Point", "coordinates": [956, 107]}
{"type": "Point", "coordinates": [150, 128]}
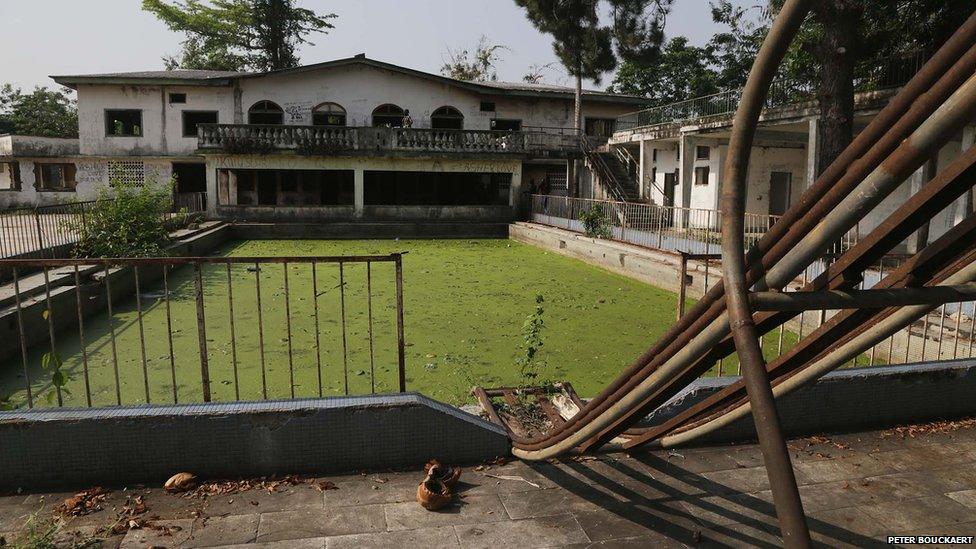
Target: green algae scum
{"type": "Point", "coordinates": [465, 302]}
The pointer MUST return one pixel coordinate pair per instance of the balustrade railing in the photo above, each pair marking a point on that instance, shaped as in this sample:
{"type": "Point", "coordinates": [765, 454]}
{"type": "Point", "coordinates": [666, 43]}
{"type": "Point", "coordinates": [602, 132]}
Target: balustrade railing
{"type": "Point", "coordinates": [324, 140]}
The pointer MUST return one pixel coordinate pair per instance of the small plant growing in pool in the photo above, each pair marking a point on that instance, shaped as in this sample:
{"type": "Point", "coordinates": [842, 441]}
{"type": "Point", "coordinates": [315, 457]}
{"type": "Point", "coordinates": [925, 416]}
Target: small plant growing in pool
{"type": "Point", "coordinates": [594, 220]}
{"type": "Point", "coordinates": [59, 378]}
{"type": "Point", "coordinates": [531, 363]}
{"type": "Point", "coordinates": [127, 220]}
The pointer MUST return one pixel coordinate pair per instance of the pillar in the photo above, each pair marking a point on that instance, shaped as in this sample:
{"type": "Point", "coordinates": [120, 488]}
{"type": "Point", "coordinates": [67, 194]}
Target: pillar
{"type": "Point", "coordinates": [813, 151]}
{"type": "Point", "coordinates": [359, 191]}
{"type": "Point", "coordinates": [686, 157]}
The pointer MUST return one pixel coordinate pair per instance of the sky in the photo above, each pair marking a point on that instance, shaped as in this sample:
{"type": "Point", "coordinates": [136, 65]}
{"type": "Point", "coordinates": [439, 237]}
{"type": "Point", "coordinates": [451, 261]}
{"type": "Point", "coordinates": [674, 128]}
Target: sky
{"type": "Point", "coordinates": [47, 37]}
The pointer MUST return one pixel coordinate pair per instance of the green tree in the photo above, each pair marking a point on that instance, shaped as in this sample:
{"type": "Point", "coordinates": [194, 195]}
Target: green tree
{"type": "Point", "coordinates": [476, 67]}
{"type": "Point", "coordinates": [586, 47]}
{"type": "Point", "coordinates": [260, 35]}
{"type": "Point", "coordinates": [43, 112]}
{"type": "Point", "coordinates": [683, 72]}
{"type": "Point", "coordinates": [843, 45]}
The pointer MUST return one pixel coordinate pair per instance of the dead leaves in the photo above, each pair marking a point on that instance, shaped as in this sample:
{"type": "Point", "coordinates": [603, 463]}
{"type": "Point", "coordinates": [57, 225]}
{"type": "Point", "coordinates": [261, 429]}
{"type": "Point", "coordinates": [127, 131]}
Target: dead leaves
{"type": "Point", "coordinates": [83, 503]}
{"type": "Point", "coordinates": [935, 427]}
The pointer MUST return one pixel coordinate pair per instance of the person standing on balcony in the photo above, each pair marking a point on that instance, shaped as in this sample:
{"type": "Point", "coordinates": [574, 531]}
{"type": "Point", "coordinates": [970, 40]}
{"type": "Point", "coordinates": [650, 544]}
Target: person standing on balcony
{"type": "Point", "coordinates": [407, 121]}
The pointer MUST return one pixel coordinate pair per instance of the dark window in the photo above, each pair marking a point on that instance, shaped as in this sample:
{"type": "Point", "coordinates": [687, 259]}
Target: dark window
{"type": "Point", "coordinates": [600, 127]}
{"type": "Point", "coordinates": [701, 175]}
{"type": "Point", "coordinates": [265, 112]}
{"type": "Point", "coordinates": [506, 125]}
{"type": "Point", "coordinates": [192, 119]}
{"type": "Point", "coordinates": [487, 106]}
{"type": "Point", "coordinates": [9, 176]}
{"type": "Point", "coordinates": [654, 155]}
{"type": "Point", "coordinates": [388, 115]}
{"type": "Point", "coordinates": [54, 176]}
{"type": "Point", "coordinates": [177, 98]}
{"type": "Point", "coordinates": [293, 187]}
{"type": "Point", "coordinates": [388, 188]}
{"type": "Point", "coordinates": [190, 177]}
{"type": "Point", "coordinates": [127, 122]}
{"type": "Point", "coordinates": [447, 118]}
{"type": "Point", "coordinates": [703, 153]}
{"type": "Point", "coordinates": [329, 114]}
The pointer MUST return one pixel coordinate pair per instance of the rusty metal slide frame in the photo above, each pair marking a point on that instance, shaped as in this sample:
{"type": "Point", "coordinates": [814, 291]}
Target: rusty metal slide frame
{"type": "Point", "coordinates": [933, 85]}
{"type": "Point", "coordinates": [922, 117]}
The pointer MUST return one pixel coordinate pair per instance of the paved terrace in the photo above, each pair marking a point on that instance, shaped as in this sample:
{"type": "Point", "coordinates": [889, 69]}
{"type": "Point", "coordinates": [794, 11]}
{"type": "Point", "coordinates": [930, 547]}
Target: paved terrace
{"type": "Point", "coordinates": [856, 488]}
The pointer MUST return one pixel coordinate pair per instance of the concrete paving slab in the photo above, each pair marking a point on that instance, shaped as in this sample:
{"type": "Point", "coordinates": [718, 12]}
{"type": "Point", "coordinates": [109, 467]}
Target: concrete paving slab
{"type": "Point", "coordinates": [965, 497]}
{"type": "Point", "coordinates": [210, 531]}
{"type": "Point", "coordinates": [464, 510]}
{"type": "Point", "coordinates": [441, 536]}
{"type": "Point", "coordinates": [163, 533]}
{"type": "Point", "coordinates": [912, 515]}
{"type": "Point", "coordinates": [535, 532]}
{"type": "Point", "coordinates": [315, 523]}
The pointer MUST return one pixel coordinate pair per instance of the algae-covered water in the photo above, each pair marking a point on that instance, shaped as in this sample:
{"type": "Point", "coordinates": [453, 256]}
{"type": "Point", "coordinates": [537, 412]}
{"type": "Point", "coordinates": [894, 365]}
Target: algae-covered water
{"type": "Point", "coordinates": [465, 304]}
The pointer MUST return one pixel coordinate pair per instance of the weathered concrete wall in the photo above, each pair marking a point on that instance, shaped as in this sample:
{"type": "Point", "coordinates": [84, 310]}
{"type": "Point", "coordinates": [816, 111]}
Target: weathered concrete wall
{"type": "Point", "coordinates": [91, 175]}
{"type": "Point", "coordinates": [851, 400]}
{"type": "Point", "coordinates": [654, 267]}
{"type": "Point", "coordinates": [162, 123]}
{"type": "Point", "coordinates": [148, 444]}
{"type": "Point", "coordinates": [360, 89]}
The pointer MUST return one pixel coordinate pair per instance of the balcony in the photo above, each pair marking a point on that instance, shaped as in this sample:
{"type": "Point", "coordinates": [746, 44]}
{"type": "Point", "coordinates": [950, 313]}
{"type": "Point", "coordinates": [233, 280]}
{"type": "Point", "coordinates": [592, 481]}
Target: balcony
{"type": "Point", "coordinates": [344, 141]}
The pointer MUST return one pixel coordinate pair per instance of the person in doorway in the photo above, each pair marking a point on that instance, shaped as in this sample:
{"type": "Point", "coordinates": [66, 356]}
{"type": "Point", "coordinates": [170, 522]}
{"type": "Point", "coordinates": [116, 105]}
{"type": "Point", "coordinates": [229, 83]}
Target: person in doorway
{"type": "Point", "coordinates": [544, 191]}
{"type": "Point", "coordinates": [407, 121]}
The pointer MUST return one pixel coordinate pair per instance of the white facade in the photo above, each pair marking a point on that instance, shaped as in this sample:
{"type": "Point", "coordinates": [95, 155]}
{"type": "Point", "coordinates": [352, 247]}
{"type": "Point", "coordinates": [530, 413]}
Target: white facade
{"type": "Point", "coordinates": [154, 142]}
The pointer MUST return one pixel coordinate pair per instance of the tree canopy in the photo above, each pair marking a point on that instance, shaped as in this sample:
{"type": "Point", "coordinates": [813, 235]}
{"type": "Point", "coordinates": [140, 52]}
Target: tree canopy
{"type": "Point", "coordinates": [42, 112]}
{"type": "Point", "coordinates": [238, 35]}
{"type": "Point", "coordinates": [683, 71]}
{"type": "Point", "coordinates": [473, 67]}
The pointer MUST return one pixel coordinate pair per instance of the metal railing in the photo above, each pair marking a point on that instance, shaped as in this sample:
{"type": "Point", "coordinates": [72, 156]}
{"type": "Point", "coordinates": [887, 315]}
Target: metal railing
{"type": "Point", "coordinates": [47, 231]}
{"type": "Point", "coordinates": [782, 92]}
{"type": "Point", "coordinates": [117, 332]}
{"type": "Point", "coordinates": [946, 334]}
{"type": "Point", "coordinates": [668, 228]}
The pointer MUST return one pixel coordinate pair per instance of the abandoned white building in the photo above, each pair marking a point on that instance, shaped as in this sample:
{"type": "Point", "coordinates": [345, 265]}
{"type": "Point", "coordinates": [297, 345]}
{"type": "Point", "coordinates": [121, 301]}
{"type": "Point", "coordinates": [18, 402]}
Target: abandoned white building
{"type": "Point", "coordinates": [348, 139]}
{"type": "Point", "coordinates": [678, 152]}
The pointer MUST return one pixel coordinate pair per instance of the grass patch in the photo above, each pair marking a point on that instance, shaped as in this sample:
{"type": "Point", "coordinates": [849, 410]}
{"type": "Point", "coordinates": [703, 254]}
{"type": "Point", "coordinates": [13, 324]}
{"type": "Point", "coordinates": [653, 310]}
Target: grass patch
{"type": "Point", "coordinates": [465, 302]}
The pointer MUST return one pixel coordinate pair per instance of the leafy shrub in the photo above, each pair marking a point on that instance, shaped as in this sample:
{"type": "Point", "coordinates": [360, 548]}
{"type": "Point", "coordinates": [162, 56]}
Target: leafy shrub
{"type": "Point", "coordinates": [127, 221]}
{"type": "Point", "coordinates": [594, 222]}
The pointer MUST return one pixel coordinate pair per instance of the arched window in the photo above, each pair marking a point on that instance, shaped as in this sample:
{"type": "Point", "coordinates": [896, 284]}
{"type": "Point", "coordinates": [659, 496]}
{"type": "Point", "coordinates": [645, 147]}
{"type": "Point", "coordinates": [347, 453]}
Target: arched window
{"type": "Point", "coordinates": [388, 115]}
{"type": "Point", "coordinates": [265, 112]}
{"type": "Point", "coordinates": [447, 118]}
{"type": "Point", "coordinates": [329, 114]}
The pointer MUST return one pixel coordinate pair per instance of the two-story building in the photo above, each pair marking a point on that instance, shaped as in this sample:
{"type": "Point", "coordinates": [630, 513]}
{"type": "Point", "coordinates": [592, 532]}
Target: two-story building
{"type": "Point", "coordinates": [348, 139]}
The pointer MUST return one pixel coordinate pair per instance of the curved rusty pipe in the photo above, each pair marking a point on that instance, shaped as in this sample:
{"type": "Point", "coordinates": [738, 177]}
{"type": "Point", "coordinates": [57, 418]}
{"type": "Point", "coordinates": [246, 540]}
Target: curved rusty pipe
{"type": "Point", "coordinates": [786, 495]}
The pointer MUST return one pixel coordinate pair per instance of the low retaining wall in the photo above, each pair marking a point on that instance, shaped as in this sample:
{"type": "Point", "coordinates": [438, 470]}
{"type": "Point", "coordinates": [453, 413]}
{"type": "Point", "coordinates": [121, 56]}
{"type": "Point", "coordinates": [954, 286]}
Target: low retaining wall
{"type": "Point", "coordinates": [851, 400]}
{"type": "Point", "coordinates": [148, 444]}
{"type": "Point", "coordinates": [365, 230]}
{"type": "Point", "coordinates": [657, 268]}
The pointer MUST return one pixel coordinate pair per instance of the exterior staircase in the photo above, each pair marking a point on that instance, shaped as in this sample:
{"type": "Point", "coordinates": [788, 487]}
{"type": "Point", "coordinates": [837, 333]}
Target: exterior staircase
{"type": "Point", "coordinates": [610, 170]}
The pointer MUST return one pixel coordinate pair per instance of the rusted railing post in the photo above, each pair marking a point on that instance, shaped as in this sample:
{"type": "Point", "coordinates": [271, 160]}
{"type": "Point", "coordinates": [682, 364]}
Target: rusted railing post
{"type": "Point", "coordinates": [401, 357]}
{"type": "Point", "coordinates": [202, 333]}
{"type": "Point", "coordinates": [682, 287]}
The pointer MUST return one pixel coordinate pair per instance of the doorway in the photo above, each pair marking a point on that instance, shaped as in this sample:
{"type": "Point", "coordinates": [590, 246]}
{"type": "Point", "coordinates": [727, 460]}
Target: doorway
{"type": "Point", "coordinates": [780, 192]}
